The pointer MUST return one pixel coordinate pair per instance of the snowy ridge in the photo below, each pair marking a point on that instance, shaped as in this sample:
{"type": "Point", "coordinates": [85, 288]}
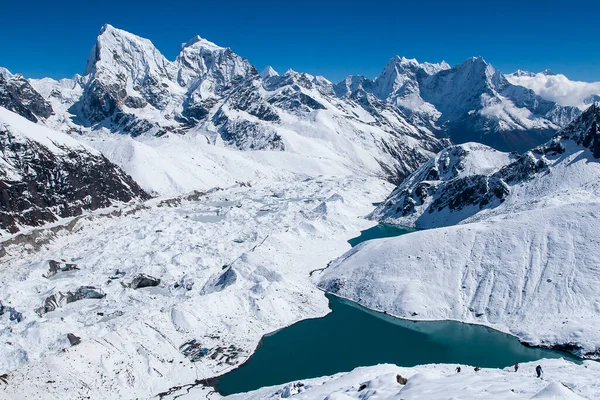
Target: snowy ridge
{"type": "Point", "coordinates": [17, 95]}
{"type": "Point", "coordinates": [516, 252]}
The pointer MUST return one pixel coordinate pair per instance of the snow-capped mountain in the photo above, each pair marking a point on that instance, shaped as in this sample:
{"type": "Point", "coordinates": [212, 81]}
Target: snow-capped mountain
{"type": "Point", "coordinates": [46, 175]}
{"type": "Point", "coordinates": [130, 87]}
{"type": "Point", "coordinates": [388, 126]}
{"type": "Point", "coordinates": [558, 88]}
{"type": "Point", "coordinates": [514, 242]}
{"type": "Point", "coordinates": [471, 101]}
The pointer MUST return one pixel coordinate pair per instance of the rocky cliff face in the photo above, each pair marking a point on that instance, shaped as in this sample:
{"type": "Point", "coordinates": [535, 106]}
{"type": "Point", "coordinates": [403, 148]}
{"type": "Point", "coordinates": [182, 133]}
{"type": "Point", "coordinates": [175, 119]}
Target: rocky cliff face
{"type": "Point", "coordinates": [465, 180]}
{"type": "Point", "coordinates": [45, 175]}
{"type": "Point", "coordinates": [16, 94]}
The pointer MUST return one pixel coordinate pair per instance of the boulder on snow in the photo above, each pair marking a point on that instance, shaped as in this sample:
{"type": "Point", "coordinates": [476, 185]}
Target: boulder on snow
{"type": "Point", "coordinates": [59, 299]}
{"type": "Point", "coordinates": [143, 280]}
{"type": "Point", "coordinates": [73, 339]}
{"type": "Point", "coordinates": [401, 380]}
{"type": "Point", "coordinates": [55, 267]}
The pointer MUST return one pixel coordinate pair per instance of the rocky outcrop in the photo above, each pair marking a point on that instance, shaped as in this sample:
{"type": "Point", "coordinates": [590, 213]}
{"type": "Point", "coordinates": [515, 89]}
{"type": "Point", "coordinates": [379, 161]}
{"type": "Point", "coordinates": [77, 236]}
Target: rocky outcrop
{"type": "Point", "coordinates": [45, 175]}
{"type": "Point", "coordinates": [17, 95]}
{"type": "Point", "coordinates": [463, 180]}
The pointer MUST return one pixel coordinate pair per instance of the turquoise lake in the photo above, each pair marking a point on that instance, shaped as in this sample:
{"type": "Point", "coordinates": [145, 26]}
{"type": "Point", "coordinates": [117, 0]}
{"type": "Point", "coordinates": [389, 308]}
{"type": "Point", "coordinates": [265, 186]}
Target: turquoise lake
{"type": "Point", "coordinates": [352, 336]}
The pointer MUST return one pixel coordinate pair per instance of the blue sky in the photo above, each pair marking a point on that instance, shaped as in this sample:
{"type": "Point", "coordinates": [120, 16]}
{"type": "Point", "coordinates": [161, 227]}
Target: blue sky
{"type": "Point", "coordinates": [330, 38]}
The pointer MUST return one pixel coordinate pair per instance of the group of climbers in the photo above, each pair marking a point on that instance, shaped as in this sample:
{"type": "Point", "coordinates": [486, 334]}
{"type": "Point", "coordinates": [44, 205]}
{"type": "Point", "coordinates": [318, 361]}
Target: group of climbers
{"type": "Point", "coordinates": [538, 369]}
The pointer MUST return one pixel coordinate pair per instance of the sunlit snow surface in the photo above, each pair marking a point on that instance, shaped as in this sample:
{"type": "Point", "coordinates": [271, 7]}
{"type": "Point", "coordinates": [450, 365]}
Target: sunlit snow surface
{"type": "Point", "coordinates": [296, 226]}
{"type": "Point", "coordinates": [562, 380]}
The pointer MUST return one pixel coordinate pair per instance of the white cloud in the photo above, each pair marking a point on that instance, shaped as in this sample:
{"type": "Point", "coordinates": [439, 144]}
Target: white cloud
{"type": "Point", "coordinates": [558, 88]}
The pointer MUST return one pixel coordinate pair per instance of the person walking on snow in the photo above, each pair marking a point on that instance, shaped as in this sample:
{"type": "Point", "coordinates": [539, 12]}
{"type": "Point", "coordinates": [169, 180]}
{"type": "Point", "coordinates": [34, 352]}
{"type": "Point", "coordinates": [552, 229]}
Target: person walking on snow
{"type": "Point", "coordinates": [458, 369]}
{"type": "Point", "coordinates": [538, 371]}
{"type": "Point", "coordinates": [516, 367]}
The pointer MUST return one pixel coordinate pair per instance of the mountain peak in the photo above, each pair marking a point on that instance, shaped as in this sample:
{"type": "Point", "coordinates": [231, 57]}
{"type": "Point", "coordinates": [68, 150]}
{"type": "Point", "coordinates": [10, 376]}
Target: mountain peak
{"type": "Point", "coordinates": [118, 47]}
{"type": "Point", "coordinates": [520, 72]}
{"type": "Point", "coordinates": [478, 60]}
{"type": "Point", "coordinates": [198, 41]}
{"type": "Point", "coordinates": [5, 72]}
{"type": "Point", "coordinates": [548, 72]}
{"type": "Point", "coordinates": [268, 72]}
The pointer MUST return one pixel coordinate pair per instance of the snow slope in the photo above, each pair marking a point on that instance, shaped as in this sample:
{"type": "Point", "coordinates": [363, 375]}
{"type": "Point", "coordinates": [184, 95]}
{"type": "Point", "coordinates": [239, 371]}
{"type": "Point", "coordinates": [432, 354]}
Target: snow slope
{"type": "Point", "coordinates": [517, 253]}
{"type": "Point", "coordinates": [562, 380]}
{"type": "Point", "coordinates": [558, 88]}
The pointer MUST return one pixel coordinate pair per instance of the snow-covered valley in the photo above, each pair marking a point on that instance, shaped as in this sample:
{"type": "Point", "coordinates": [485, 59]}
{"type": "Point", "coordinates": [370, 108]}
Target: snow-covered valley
{"type": "Point", "coordinates": [269, 236]}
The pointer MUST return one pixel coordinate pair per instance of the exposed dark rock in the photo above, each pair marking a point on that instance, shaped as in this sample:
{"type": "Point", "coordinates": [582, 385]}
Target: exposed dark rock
{"type": "Point", "coordinates": [52, 185]}
{"type": "Point", "coordinates": [73, 339]}
{"type": "Point", "coordinates": [246, 135]}
{"type": "Point", "coordinates": [55, 267]}
{"type": "Point", "coordinates": [143, 280]}
{"type": "Point", "coordinates": [247, 98]}
{"type": "Point", "coordinates": [135, 102]}
{"type": "Point", "coordinates": [401, 380]}
{"type": "Point", "coordinates": [17, 95]}
{"type": "Point", "coordinates": [59, 299]}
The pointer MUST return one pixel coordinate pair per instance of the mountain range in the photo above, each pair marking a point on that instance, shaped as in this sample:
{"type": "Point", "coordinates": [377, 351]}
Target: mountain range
{"type": "Point", "coordinates": [129, 87]}
{"type": "Point", "coordinates": [388, 126]}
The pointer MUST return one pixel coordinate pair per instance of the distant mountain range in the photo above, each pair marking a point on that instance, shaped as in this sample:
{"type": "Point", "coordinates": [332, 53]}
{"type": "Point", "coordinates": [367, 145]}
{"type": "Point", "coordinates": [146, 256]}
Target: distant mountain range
{"type": "Point", "coordinates": [129, 87]}
{"type": "Point", "coordinates": [387, 126]}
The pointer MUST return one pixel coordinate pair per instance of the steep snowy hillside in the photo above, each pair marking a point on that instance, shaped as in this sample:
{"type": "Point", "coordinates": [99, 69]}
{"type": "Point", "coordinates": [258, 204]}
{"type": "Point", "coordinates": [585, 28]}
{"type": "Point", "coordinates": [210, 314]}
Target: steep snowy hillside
{"type": "Point", "coordinates": [46, 175]}
{"type": "Point", "coordinates": [473, 180]}
{"type": "Point", "coordinates": [562, 380]}
{"type": "Point", "coordinates": [558, 88]}
{"type": "Point", "coordinates": [471, 101]}
{"type": "Point", "coordinates": [521, 258]}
